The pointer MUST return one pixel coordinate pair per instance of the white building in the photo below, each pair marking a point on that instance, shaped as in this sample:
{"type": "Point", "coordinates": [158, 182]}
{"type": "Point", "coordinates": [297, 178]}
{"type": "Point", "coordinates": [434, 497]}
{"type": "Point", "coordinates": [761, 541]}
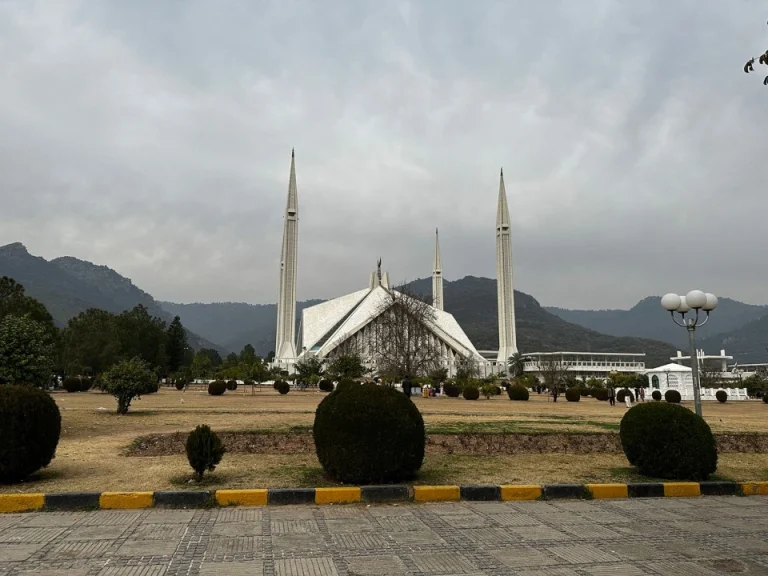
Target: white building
{"type": "Point", "coordinates": [673, 376]}
{"type": "Point", "coordinates": [585, 365]}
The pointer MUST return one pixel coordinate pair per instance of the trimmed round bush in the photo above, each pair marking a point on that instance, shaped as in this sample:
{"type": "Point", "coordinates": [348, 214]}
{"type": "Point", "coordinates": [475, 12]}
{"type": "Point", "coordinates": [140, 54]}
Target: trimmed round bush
{"type": "Point", "coordinates": [217, 388]}
{"type": "Point", "coordinates": [496, 390]}
{"type": "Point", "coordinates": [451, 390]}
{"type": "Point", "coordinates": [668, 441]}
{"type": "Point", "coordinates": [601, 394]}
{"type": "Point", "coordinates": [71, 384]}
{"type": "Point", "coordinates": [623, 393]}
{"type": "Point", "coordinates": [517, 392]}
{"type": "Point", "coordinates": [179, 384]}
{"type": "Point", "coordinates": [326, 385]}
{"type": "Point", "coordinates": [283, 387]}
{"type": "Point", "coordinates": [470, 393]}
{"type": "Point", "coordinates": [572, 394]}
{"type": "Point", "coordinates": [369, 434]}
{"type": "Point", "coordinates": [672, 396]}
{"type": "Point", "coordinates": [232, 385]}
{"type": "Point", "coordinates": [656, 395]}
{"type": "Point", "coordinates": [204, 450]}
{"type": "Point", "coordinates": [765, 398]}
{"type": "Point", "coordinates": [274, 384]}
{"type": "Point", "coordinates": [30, 426]}
{"type": "Point", "coordinates": [721, 396]}
{"type": "Point", "coordinates": [86, 384]}
{"type": "Point", "coordinates": [345, 383]}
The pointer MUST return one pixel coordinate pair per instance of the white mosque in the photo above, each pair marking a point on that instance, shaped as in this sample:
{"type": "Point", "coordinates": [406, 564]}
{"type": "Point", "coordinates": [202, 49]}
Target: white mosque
{"type": "Point", "coordinates": [328, 328]}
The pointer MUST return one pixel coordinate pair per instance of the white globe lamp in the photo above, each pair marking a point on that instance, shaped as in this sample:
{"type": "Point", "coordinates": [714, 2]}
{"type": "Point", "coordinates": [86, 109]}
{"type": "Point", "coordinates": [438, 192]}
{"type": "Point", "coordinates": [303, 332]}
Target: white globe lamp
{"type": "Point", "coordinates": [683, 308]}
{"type": "Point", "coordinates": [670, 302]}
{"type": "Point", "coordinates": [711, 302]}
{"type": "Point", "coordinates": [696, 299]}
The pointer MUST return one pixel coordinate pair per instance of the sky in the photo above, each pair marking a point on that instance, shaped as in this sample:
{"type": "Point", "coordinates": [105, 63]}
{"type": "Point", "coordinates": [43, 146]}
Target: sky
{"type": "Point", "coordinates": [155, 138]}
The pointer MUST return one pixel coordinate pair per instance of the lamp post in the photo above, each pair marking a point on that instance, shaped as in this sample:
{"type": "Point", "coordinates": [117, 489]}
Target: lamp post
{"type": "Point", "coordinates": [694, 300]}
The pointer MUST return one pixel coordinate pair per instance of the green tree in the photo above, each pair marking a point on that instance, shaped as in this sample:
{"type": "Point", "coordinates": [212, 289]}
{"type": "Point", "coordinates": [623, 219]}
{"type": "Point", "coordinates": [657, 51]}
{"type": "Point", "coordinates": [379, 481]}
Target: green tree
{"type": "Point", "coordinates": [144, 336]}
{"type": "Point", "coordinates": [176, 345]}
{"type": "Point", "coordinates": [127, 380]}
{"type": "Point", "coordinates": [438, 375]}
{"type": "Point", "coordinates": [212, 355]}
{"type": "Point", "coordinates": [516, 365]}
{"type": "Point", "coordinates": [308, 368]}
{"type": "Point", "coordinates": [346, 366]}
{"type": "Point", "coordinates": [26, 352]}
{"type": "Point", "coordinates": [466, 369]}
{"type": "Point", "coordinates": [202, 365]}
{"type": "Point", "coordinates": [91, 340]}
{"type": "Point", "coordinates": [247, 354]}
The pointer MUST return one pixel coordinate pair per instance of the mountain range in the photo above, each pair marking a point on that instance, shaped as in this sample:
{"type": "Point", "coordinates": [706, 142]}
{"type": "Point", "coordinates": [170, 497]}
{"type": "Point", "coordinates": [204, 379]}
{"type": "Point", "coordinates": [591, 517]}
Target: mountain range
{"type": "Point", "coordinates": [68, 286]}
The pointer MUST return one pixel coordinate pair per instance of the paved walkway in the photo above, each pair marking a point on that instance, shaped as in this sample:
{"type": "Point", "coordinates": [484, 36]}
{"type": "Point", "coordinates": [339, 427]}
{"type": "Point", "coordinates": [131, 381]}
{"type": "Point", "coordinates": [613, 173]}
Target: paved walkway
{"type": "Point", "coordinates": [704, 536]}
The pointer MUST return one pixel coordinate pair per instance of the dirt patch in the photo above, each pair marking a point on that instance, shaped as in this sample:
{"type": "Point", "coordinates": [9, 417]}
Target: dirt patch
{"type": "Point", "coordinates": [477, 444]}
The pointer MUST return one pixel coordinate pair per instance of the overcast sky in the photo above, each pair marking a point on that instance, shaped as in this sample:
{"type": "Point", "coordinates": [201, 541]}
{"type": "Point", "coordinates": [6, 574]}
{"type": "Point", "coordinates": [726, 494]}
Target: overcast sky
{"type": "Point", "coordinates": [155, 137]}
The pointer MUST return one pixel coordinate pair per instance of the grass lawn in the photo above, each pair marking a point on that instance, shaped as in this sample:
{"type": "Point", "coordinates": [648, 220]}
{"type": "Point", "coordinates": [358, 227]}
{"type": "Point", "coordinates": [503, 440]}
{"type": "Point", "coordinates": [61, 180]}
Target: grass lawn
{"type": "Point", "coordinates": [91, 457]}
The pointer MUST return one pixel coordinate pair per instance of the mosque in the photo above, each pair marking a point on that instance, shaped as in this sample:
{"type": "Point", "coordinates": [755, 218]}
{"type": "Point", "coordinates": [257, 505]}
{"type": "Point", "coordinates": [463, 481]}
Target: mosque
{"type": "Point", "coordinates": [329, 328]}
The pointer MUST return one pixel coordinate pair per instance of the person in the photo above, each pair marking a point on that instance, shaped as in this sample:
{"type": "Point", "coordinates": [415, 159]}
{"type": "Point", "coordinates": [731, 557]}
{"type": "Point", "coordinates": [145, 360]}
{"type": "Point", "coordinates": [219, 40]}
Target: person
{"type": "Point", "coordinates": [554, 394]}
{"type": "Point", "coordinates": [628, 399]}
{"type": "Point", "coordinates": [642, 394]}
{"type": "Point", "coordinates": [612, 395]}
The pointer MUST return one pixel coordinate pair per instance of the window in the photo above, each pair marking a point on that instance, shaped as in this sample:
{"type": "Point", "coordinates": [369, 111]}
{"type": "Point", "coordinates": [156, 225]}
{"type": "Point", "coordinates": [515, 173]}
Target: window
{"type": "Point", "coordinates": [655, 381]}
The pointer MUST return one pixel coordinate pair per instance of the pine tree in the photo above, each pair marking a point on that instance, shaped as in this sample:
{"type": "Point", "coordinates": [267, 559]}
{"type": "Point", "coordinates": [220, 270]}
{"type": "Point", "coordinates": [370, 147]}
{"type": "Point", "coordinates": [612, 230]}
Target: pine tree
{"type": "Point", "coordinates": [176, 346]}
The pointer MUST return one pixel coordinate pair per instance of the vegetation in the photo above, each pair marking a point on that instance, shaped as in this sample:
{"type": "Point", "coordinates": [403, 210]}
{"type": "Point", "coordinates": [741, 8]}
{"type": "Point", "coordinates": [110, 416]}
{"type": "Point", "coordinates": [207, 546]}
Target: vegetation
{"type": "Point", "coordinates": [27, 352]}
{"type": "Point", "coordinates": [204, 450]}
{"type": "Point", "coordinates": [572, 394]}
{"type": "Point", "coordinates": [127, 380]}
{"type": "Point", "coordinates": [656, 395]}
{"type": "Point", "coordinates": [600, 394]}
{"type": "Point", "coordinates": [231, 385]}
{"type": "Point", "coordinates": [668, 441]}
{"type": "Point", "coordinates": [283, 387]}
{"type": "Point", "coordinates": [673, 396]}
{"type": "Point", "coordinates": [451, 390]}
{"type": "Point", "coordinates": [30, 426]}
{"type": "Point", "coordinates": [517, 392]}
{"type": "Point", "coordinates": [622, 395]}
{"type": "Point", "coordinates": [71, 384]}
{"type": "Point", "coordinates": [326, 385]}
{"type": "Point", "coordinates": [369, 434]}
{"type": "Point", "coordinates": [470, 392]}
{"type": "Point", "coordinates": [348, 365]}
{"type": "Point", "coordinates": [721, 396]}
{"type": "Point", "coordinates": [179, 383]}
{"type": "Point", "coordinates": [217, 388]}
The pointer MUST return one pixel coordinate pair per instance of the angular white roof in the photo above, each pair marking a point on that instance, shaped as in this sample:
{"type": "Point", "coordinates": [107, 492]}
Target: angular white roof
{"type": "Point", "coordinates": [672, 367]}
{"type": "Point", "coordinates": [332, 322]}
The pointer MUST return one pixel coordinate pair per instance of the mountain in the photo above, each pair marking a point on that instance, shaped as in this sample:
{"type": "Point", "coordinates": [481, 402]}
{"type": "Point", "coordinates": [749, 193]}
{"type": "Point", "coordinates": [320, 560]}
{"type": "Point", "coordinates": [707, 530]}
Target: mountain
{"type": "Point", "coordinates": [68, 286]}
{"type": "Point", "coordinates": [647, 319]}
{"type": "Point", "coordinates": [471, 300]}
{"type": "Point", "coordinates": [747, 344]}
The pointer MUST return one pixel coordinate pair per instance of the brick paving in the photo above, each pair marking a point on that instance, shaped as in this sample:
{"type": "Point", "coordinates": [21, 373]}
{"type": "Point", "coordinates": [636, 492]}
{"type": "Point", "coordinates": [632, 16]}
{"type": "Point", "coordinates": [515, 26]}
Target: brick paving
{"type": "Point", "coordinates": [696, 537]}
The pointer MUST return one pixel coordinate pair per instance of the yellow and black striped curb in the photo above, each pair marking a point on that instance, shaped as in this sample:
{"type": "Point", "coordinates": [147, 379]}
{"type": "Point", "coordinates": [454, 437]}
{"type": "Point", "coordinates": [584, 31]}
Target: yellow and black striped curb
{"type": "Point", "coordinates": [380, 494]}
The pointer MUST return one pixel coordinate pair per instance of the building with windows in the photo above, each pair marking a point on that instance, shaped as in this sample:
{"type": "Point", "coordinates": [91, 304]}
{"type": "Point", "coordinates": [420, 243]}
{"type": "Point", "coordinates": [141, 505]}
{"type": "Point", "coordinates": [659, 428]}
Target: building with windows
{"type": "Point", "coordinates": [584, 365]}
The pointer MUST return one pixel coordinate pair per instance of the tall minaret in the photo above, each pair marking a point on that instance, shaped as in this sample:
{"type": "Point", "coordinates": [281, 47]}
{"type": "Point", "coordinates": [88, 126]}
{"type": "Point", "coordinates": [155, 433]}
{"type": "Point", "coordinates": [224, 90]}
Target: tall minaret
{"type": "Point", "coordinates": [505, 291]}
{"type": "Point", "coordinates": [285, 347]}
{"type": "Point", "coordinates": [437, 276]}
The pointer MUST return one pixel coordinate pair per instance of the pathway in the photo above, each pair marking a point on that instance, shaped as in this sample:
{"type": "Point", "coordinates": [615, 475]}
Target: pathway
{"type": "Point", "coordinates": [679, 537]}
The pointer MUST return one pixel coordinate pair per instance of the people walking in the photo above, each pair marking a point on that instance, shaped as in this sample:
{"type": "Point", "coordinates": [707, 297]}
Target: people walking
{"type": "Point", "coordinates": [642, 394]}
{"type": "Point", "coordinates": [612, 395]}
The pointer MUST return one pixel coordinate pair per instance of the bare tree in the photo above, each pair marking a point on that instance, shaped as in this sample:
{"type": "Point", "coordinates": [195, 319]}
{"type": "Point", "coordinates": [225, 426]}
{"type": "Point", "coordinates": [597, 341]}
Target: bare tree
{"type": "Point", "coordinates": [762, 59]}
{"type": "Point", "coordinates": [400, 341]}
{"type": "Point", "coordinates": [466, 368]}
{"type": "Point", "coordinates": [552, 369]}
{"type": "Point", "coordinates": [709, 374]}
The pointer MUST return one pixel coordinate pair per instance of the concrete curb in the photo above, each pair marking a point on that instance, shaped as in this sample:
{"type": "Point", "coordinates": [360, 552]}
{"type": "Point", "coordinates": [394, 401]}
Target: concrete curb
{"type": "Point", "coordinates": [380, 494]}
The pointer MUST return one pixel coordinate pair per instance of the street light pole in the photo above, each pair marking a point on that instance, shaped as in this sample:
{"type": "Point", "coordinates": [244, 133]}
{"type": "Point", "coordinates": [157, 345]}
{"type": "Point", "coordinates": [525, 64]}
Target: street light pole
{"type": "Point", "coordinates": [697, 300]}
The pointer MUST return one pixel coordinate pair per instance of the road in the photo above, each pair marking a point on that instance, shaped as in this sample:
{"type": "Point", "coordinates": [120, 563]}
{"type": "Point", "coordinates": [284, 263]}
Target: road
{"type": "Point", "coordinates": [678, 537]}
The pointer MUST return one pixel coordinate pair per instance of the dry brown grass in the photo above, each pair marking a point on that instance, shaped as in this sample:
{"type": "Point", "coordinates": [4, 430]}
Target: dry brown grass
{"type": "Point", "coordinates": [90, 453]}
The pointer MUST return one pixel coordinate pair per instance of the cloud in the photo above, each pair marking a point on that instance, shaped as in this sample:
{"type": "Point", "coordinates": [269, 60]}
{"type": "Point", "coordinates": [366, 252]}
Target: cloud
{"type": "Point", "coordinates": [155, 138]}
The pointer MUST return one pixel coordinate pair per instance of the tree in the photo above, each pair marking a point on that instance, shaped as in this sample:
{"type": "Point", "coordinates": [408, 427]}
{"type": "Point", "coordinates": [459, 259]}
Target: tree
{"type": "Point", "coordinates": [213, 355]}
{"type": "Point", "coordinates": [762, 59]}
{"type": "Point", "coordinates": [91, 339]}
{"type": "Point", "coordinates": [128, 379]}
{"type": "Point", "coordinates": [438, 375]}
{"type": "Point", "coordinates": [346, 366]}
{"type": "Point", "coordinates": [309, 370]}
{"type": "Point", "coordinates": [466, 369]}
{"type": "Point", "coordinates": [144, 336]}
{"type": "Point", "coordinates": [516, 365]}
{"type": "Point", "coordinates": [401, 341]}
{"type": "Point", "coordinates": [709, 374]}
{"type": "Point", "coordinates": [26, 352]}
{"type": "Point", "coordinates": [176, 345]}
{"type": "Point", "coordinates": [248, 354]}
{"type": "Point", "coordinates": [552, 370]}
{"type": "Point", "coordinates": [202, 365]}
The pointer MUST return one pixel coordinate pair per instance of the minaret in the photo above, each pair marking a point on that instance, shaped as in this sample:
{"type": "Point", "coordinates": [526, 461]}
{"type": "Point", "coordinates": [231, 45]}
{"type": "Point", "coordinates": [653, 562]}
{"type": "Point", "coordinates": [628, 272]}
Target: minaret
{"type": "Point", "coordinates": [437, 276]}
{"type": "Point", "coordinates": [505, 291]}
{"type": "Point", "coordinates": [285, 347]}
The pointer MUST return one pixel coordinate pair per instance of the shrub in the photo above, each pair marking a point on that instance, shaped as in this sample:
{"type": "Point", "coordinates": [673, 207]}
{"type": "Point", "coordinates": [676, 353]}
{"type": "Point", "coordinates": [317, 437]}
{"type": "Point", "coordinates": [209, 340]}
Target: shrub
{"type": "Point", "coordinates": [721, 396]}
{"type": "Point", "coordinates": [326, 385]}
{"type": "Point", "coordinates": [517, 392]}
{"type": "Point", "coordinates": [656, 395]}
{"type": "Point", "coordinates": [451, 390]}
{"type": "Point", "coordinates": [668, 441]}
{"type": "Point", "coordinates": [204, 450]}
{"type": "Point", "coordinates": [672, 396]}
{"type": "Point", "coordinates": [283, 387]}
{"type": "Point", "coordinates": [86, 384]}
{"type": "Point", "coordinates": [572, 394]}
{"type": "Point", "coordinates": [274, 384]}
{"type": "Point", "coordinates": [496, 390]}
{"type": "Point", "coordinates": [217, 388]}
{"type": "Point", "coordinates": [584, 392]}
{"type": "Point", "coordinates": [470, 392]}
{"type": "Point", "coordinates": [623, 393]}
{"type": "Point", "coordinates": [128, 379]}
{"type": "Point", "coordinates": [765, 398]}
{"type": "Point", "coordinates": [179, 385]}
{"type": "Point", "coordinates": [346, 383]}
{"type": "Point", "coordinates": [71, 384]}
{"type": "Point", "coordinates": [30, 425]}
{"type": "Point", "coordinates": [249, 383]}
{"type": "Point", "coordinates": [369, 434]}
{"type": "Point", "coordinates": [488, 390]}
{"type": "Point", "coordinates": [232, 385]}
{"type": "Point", "coordinates": [601, 394]}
